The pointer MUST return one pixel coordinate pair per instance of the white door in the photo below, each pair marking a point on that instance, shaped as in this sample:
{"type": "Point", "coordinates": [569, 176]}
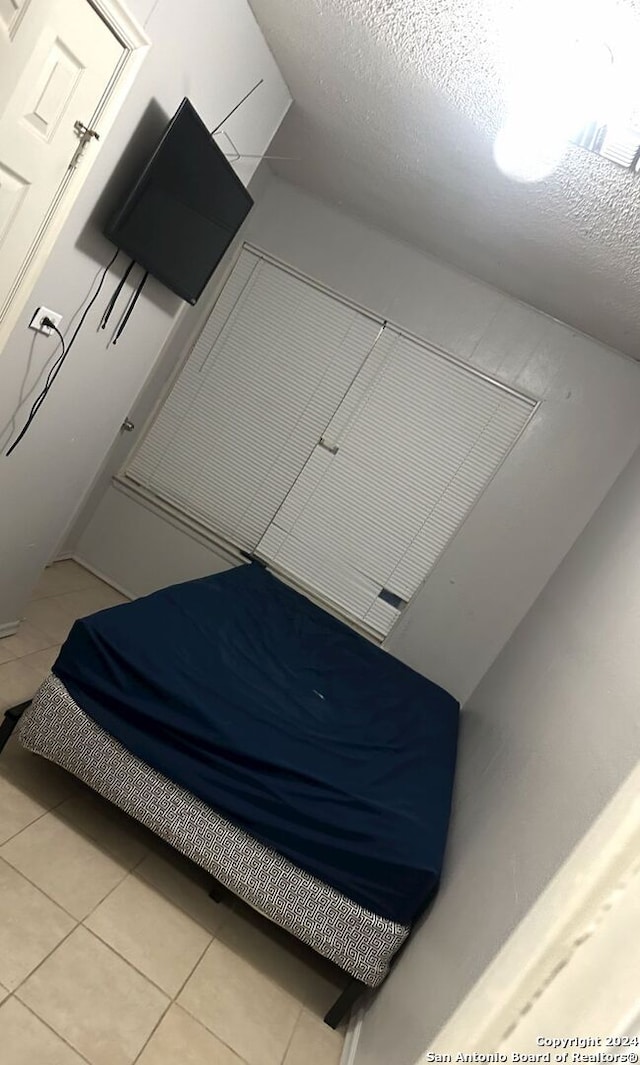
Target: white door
{"type": "Point", "coordinates": [57, 58]}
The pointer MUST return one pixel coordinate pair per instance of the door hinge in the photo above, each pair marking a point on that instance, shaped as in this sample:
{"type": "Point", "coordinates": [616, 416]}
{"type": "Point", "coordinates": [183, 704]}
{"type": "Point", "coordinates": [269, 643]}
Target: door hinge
{"type": "Point", "coordinates": [85, 135]}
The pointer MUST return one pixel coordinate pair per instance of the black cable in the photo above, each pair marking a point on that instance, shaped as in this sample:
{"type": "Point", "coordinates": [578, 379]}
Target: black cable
{"type": "Point", "coordinates": [57, 366]}
{"type": "Point", "coordinates": [51, 376]}
{"type": "Point", "coordinates": [234, 109]}
{"type": "Point", "coordinates": [132, 304]}
{"type": "Point", "coordinates": [112, 302]}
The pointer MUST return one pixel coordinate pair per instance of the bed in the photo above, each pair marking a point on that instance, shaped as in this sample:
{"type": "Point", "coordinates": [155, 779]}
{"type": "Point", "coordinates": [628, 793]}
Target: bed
{"type": "Point", "coordinates": [303, 767]}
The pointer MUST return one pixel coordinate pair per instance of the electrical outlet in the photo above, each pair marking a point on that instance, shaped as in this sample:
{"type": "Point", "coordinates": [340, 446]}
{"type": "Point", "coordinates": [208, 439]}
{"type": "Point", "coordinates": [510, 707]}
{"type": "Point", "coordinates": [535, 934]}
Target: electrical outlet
{"type": "Point", "coordinates": [36, 321]}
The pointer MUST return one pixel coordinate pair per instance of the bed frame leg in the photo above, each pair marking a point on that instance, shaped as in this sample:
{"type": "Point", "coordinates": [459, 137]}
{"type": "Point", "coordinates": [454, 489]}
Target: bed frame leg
{"type": "Point", "coordinates": [11, 718]}
{"type": "Point", "coordinates": [216, 892]}
{"type": "Point", "coordinates": [344, 1004]}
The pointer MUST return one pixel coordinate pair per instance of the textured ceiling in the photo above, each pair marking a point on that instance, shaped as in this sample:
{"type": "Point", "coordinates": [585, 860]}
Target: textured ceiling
{"type": "Point", "coordinates": [397, 103]}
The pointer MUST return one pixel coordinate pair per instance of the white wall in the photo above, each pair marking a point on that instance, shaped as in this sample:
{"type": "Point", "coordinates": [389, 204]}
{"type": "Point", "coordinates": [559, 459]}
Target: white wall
{"type": "Point", "coordinates": [153, 545]}
{"type": "Point", "coordinates": [550, 734]}
{"type": "Point", "coordinates": [586, 430]}
{"type": "Point", "coordinates": [212, 52]}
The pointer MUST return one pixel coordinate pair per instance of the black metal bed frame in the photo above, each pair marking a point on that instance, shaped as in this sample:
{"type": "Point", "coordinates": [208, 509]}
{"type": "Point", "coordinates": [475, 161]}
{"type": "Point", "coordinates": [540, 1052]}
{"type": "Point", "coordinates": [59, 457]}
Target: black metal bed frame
{"type": "Point", "coordinates": [354, 990]}
{"type": "Point", "coordinates": [10, 720]}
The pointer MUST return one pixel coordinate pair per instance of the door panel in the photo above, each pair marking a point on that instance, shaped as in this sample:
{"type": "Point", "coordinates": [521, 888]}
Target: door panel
{"type": "Point", "coordinates": [57, 58]}
{"type": "Point", "coordinates": [10, 13]}
{"type": "Point", "coordinates": [54, 91]}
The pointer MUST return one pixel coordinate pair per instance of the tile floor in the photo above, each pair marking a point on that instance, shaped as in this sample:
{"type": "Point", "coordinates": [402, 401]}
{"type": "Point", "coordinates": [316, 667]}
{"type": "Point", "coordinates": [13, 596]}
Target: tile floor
{"type": "Point", "coordinates": [111, 951]}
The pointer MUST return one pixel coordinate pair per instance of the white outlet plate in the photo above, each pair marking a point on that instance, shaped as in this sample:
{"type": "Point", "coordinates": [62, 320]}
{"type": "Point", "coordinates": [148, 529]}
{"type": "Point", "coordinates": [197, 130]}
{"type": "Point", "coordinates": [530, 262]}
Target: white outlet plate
{"type": "Point", "coordinates": [36, 321]}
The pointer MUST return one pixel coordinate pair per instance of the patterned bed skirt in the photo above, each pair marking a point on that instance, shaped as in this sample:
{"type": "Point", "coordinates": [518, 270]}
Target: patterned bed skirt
{"type": "Point", "coordinates": [360, 942]}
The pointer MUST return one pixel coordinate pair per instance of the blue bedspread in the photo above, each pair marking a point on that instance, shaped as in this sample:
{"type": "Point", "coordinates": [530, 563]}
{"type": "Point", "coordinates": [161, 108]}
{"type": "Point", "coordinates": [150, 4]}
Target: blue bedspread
{"type": "Point", "coordinates": [284, 720]}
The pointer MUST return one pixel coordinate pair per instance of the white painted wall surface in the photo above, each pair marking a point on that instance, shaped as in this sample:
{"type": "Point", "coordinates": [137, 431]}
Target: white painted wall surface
{"type": "Point", "coordinates": [586, 430]}
{"type": "Point", "coordinates": [547, 738]}
{"type": "Point", "coordinates": [135, 571]}
{"type": "Point", "coordinates": [212, 52]}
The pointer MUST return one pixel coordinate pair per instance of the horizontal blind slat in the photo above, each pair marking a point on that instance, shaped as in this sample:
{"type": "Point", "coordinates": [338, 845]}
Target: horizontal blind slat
{"type": "Point", "coordinates": [381, 617]}
{"type": "Point", "coordinates": [419, 441]}
{"type": "Point", "coordinates": [346, 587]}
{"type": "Point", "coordinates": [265, 376]}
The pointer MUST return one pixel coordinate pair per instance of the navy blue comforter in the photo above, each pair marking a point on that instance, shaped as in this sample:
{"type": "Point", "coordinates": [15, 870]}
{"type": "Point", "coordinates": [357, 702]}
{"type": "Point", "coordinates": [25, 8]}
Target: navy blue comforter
{"type": "Point", "coordinates": [285, 721]}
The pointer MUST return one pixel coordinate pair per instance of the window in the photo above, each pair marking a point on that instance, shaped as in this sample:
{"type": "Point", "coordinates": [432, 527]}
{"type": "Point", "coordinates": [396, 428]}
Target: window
{"type": "Point", "coordinates": [269, 369]}
{"type": "Point", "coordinates": [341, 451]}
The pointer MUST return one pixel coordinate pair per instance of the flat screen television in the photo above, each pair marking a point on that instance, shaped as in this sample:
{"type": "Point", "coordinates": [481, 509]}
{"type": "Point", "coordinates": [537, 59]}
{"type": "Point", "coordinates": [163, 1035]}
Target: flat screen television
{"type": "Point", "coordinates": [185, 208]}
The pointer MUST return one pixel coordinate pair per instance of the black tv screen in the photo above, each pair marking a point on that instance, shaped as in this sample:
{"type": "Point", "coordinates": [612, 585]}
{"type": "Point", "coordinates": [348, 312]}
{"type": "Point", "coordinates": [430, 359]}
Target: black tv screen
{"type": "Point", "coordinates": [185, 208]}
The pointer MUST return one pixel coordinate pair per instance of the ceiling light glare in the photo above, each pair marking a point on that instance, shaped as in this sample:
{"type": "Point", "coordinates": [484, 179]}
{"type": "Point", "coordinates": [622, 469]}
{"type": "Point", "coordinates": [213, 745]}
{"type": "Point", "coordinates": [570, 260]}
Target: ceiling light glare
{"type": "Point", "coordinates": [557, 78]}
{"type": "Point", "coordinates": [525, 157]}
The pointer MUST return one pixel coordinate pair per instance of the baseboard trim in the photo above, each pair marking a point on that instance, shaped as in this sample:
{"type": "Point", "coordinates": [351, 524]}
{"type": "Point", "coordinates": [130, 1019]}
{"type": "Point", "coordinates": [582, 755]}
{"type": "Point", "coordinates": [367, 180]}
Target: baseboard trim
{"type": "Point", "coordinates": [9, 628]}
{"type": "Point", "coordinates": [101, 576]}
{"type": "Point", "coordinates": [352, 1037]}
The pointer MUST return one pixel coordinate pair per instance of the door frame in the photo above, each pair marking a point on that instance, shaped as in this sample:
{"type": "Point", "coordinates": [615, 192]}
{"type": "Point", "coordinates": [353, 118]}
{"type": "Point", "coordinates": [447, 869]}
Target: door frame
{"type": "Point", "coordinates": [135, 44]}
{"type": "Point", "coordinates": [560, 973]}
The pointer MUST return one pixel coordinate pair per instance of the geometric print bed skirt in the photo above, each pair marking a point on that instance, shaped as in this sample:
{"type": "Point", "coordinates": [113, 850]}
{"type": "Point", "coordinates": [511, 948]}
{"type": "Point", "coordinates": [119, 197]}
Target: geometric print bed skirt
{"type": "Point", "coordinates": [360, 942]}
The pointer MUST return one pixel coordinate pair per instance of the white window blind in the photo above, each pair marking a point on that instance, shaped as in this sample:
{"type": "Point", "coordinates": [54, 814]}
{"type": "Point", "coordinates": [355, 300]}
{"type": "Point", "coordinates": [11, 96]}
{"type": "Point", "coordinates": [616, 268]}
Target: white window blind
{"type": "Point", "coordinates": [271, 366]}
{"type": "Point", "coordinates": [345, 453]}
{"type": "Point", "coordinates": [409, 451]}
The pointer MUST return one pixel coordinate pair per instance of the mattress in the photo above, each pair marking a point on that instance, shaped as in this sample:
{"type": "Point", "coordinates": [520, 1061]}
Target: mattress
{"type": "Point", "coordinates": [294, 728]}
{"type": "Point", "coordinates": [360, 942]}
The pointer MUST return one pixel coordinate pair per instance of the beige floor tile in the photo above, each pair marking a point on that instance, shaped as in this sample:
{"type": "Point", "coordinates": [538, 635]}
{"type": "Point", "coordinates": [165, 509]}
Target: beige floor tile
{"type": "Point", "coordinates": [31, 926]}
{"type": "Point", "coordinates": [314, 1043]}
{"type": "Point", "coordinates": [42, 661]}
{"type": "Point", "coordinates": [184, 884]}
{"type": "Point", "coordinates": [17, 810]}
{"type": "Point", "coordinates": [18, 682]}
{"type": "Point", "coordinates": [90, 600]}
{"type": "Point", "coordinates": [25, 1040]}
{"type": "Point", "coordinates": [244, 1008]}
{"type": "Point", "coordinates": [63, 577]}
{"type": "Point", "coordinates": [6, 654]}
{"type": "Point", "coordinates": [52, 616]}
{"type": "Point", "coordinates": [181, 1040]}
{"type": "Point", "coordinates": [71, 869]}
{"type": "Point", "coordinates": [3, 993]}
{"type": "Point", "coordinates": [25, 641]}
{"type": "Point", "coordinates": [114, 831]}
{"type": "Point", "coordinates": [29, 787]}
{"type": "Point", "coordinates": [94, 1000]}
{"type": "Point", "coordinates": [55, 615]}
{"type": "Point", "coordinates": [150, 932]}
{"type": "Point", "coordinates": [311, 979]}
